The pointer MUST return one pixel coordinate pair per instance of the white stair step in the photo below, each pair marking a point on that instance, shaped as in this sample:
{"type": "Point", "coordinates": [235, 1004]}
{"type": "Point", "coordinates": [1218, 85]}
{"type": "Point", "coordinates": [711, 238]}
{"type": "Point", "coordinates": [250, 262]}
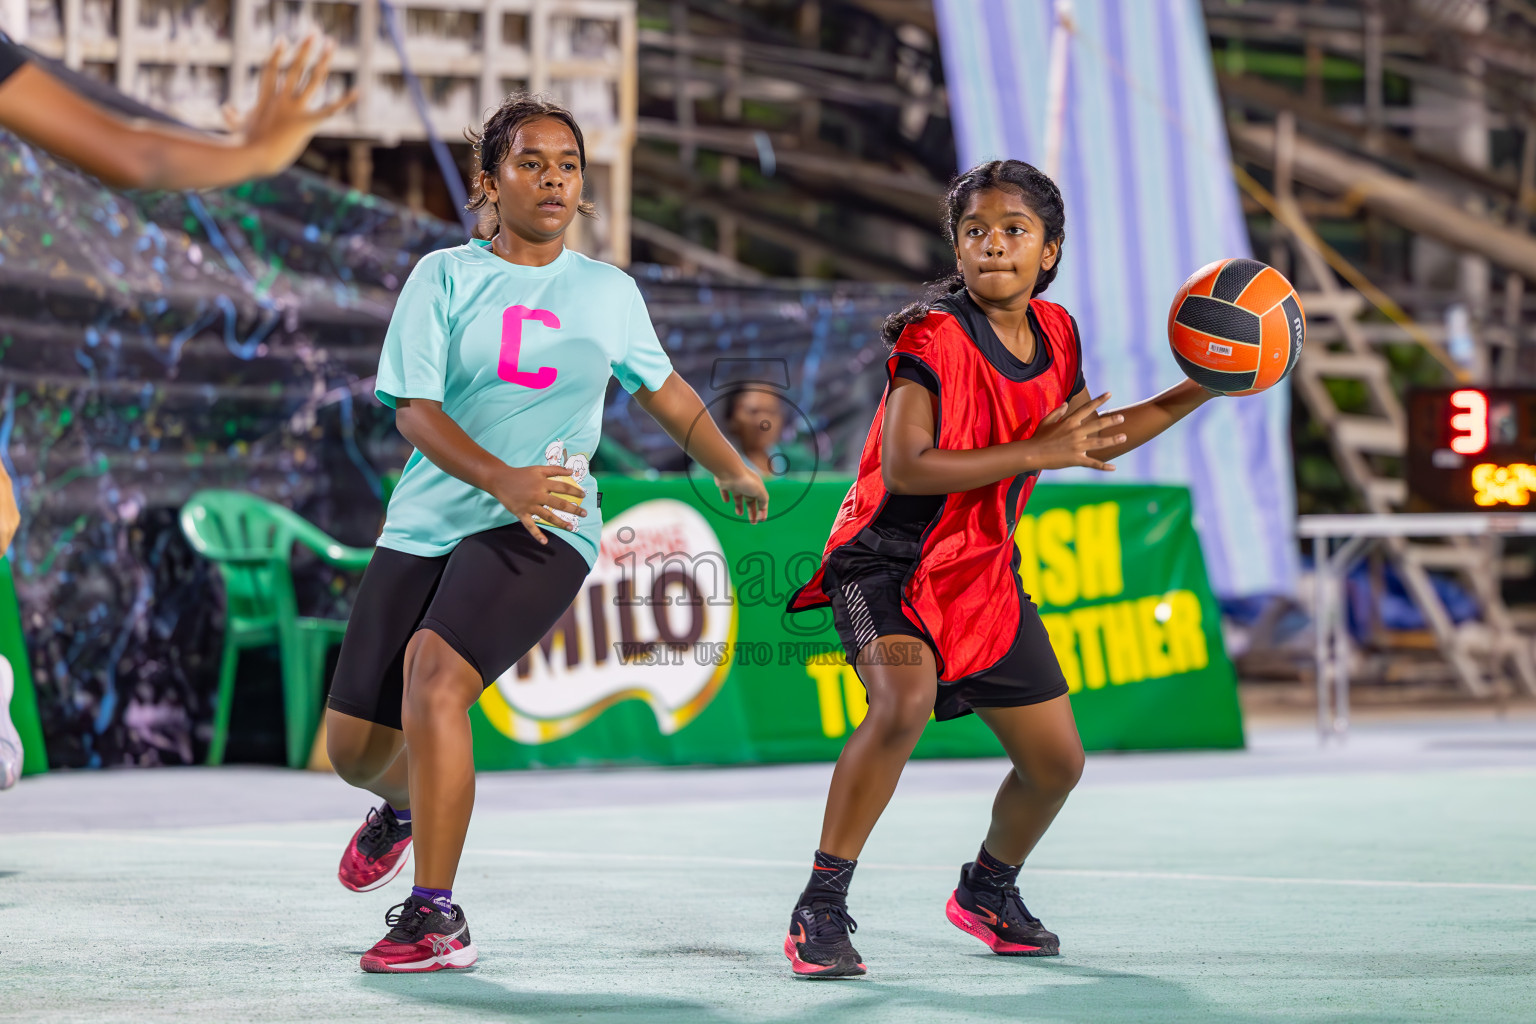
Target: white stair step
{"type": "Point", "coordinates": [1372, 434]}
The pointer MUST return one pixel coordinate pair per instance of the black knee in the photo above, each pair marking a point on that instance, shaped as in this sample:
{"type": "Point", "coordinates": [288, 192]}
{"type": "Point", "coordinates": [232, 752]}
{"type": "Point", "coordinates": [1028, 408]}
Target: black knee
{"type": "Point", "coordinates": [900, 716]}
{"type": "Point", "coordinates": [438, 681]}
{"type": "Point", "coordinates": [1055, 774]}
{"type": "Point", "coordinates": [433, 692]}
{"type": "Point", "coordinates": [354, 759]}
{"type": "Point", "coordinates": [353, 772]}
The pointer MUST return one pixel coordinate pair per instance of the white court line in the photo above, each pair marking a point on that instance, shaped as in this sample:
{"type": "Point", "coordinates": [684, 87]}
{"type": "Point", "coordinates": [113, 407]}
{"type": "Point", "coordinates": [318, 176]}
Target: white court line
{"type": "Point", "coordinates": [560, 857]}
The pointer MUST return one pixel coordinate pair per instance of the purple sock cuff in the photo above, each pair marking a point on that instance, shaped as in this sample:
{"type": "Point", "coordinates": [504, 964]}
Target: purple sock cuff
{"type": "Point", "coordinates": [442, 898]}
{"type": "Point", "coordinates": [404, 817]}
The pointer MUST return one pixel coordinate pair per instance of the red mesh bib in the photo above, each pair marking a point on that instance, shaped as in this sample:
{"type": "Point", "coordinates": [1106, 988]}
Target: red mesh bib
{"type": "Point", "coordinates": [967, 574]}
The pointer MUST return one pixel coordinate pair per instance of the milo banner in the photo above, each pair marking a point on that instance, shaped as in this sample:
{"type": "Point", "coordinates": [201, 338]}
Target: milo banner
{"type": "Point", "coordinates": [678, 650]}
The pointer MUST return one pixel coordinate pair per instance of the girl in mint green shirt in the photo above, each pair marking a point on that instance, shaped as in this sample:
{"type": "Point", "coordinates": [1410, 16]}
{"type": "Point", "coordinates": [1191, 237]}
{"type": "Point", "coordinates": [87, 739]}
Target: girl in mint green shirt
{"type": "Point", "coordinates": [496, 363]}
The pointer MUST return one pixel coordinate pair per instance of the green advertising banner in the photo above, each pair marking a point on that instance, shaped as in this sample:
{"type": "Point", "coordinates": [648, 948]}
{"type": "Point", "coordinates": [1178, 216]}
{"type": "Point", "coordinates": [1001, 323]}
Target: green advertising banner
{"type": "Point", "coordinates": [678, 651]}
{"type": "Point", "coordinates": [14, 666]}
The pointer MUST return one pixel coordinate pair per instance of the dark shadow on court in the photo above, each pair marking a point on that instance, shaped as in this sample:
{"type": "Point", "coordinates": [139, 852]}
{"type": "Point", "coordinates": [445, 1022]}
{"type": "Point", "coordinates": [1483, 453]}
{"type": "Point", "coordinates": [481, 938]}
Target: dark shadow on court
{"type": "Point", "coordinates": [1097, 996]}
{"type": "Point", "coordinates": [1048, 992]}
{"type": "Point", "coordinates": [449, 991]}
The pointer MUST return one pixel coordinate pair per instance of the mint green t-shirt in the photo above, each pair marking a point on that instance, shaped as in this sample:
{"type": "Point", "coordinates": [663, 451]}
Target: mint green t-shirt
{"type": "Point", "coordinates": [520, 357]}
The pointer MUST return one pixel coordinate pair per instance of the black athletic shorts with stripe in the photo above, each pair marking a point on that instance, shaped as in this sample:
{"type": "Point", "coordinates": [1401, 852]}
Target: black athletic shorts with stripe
{"type": "Point", "coordinates": [864, 581]}
{"type": "Point", "coordinates": [491, 599]}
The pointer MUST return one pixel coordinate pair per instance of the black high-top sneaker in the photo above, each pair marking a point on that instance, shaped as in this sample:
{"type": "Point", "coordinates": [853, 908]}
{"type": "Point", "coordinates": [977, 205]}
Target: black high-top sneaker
{"type": "Point", "coordinates": [999, 918]}
{"type": "Point", "coordinates": [817, 944]}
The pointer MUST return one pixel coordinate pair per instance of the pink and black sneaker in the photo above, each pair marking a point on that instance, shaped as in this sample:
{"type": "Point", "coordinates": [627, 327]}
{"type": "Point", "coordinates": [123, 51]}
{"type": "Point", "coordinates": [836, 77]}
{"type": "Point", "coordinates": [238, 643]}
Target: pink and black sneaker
{"type": "Point", "coordinates": [817, 944]}
{"type": "Point", "coordinates": [421, 938]}
{"type": "Point", "coordinates": [999, 918]}
{"type": "Point", "coordinates": [378, 851]}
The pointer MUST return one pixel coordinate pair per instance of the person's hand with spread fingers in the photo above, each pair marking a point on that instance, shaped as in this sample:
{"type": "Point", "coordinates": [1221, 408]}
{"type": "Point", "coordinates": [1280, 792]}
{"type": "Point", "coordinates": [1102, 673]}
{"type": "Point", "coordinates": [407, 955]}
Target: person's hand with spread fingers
{"type": "Point", "coordinates": [138, 153]}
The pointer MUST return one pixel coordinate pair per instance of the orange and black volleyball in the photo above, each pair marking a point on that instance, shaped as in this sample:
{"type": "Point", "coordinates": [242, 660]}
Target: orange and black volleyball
{"type": "Point", "coordinates": [1236, 327]}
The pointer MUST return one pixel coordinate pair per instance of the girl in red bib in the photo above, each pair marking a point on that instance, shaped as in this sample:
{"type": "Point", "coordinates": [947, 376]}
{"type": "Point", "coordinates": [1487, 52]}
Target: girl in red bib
{"type": "Point", "coordinates": [921, 571]}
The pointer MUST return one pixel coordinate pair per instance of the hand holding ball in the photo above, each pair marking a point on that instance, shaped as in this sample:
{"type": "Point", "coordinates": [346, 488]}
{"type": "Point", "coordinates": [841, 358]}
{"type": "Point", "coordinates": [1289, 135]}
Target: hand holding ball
{"type": "Point", "coordinates": [1236, 327]}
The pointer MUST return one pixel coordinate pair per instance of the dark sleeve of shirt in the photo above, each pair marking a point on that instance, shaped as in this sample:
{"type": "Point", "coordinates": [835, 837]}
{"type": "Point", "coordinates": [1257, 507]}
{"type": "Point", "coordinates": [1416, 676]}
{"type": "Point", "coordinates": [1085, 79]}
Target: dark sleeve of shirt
{"type": "Point", "coordinates": [12, 57]}
{"type": "Point", "coordinates": [909, 368]}
{"type": "Point", "coordinates": [1080, 384]}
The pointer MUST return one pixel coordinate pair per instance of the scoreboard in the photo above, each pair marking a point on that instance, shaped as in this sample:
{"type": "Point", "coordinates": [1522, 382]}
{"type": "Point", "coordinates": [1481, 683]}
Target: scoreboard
{"type": "Point", "coordinates": [1471, 449]}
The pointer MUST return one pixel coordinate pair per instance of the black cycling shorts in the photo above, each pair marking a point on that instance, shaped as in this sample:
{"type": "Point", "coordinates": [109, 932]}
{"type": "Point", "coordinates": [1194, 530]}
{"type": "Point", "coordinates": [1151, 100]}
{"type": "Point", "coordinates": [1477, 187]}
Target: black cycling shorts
{"type": "Point", "coordinates": [865, 587]}
{"type": "Point", "coordinates": [491, 599]}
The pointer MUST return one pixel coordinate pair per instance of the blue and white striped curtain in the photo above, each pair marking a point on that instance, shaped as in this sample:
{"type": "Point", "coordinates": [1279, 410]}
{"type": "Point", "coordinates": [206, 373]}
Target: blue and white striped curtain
{"type": "Point", "coordinates": [1145, 169]}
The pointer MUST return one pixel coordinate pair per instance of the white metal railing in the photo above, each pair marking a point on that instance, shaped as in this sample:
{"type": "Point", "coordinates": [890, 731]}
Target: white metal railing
{"type": "Point", "coordinates": [190, 59]}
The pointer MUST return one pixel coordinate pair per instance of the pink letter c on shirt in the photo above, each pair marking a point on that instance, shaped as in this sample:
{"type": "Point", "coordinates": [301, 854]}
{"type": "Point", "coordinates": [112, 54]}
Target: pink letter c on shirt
{"type": "Point", "coordinates": [512, 343]}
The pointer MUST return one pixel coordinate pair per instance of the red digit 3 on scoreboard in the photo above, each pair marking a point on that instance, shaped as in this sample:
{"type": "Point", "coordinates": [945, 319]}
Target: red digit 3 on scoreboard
{"type": "Point", "coordinates": [1469, 422]}
{"type": "Point", "coordinates": [1472, 449]}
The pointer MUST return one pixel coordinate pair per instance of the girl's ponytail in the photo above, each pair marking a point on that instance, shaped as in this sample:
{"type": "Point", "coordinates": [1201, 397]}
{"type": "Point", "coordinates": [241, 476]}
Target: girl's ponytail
{"type": "Point", "coordinates": [915, 312]}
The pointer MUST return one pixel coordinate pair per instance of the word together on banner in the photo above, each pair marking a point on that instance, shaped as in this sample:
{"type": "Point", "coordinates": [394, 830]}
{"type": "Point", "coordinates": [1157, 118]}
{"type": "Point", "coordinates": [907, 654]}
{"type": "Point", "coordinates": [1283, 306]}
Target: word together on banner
{"type": "Point", "coordinates": [1068, 557]}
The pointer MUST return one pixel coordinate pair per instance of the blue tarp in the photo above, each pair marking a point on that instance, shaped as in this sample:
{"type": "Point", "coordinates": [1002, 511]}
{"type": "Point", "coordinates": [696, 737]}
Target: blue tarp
{"type": "Point", "coordinates": [1146, 173]}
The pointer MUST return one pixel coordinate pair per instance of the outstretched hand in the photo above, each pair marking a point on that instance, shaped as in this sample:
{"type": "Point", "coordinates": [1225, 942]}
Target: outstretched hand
{"type": "Point", "coordinates": [284, 117]}
{"type": "Point", "coordinates": [1066, 438]}
{"type": "Point", "coordinates": [746, 489]}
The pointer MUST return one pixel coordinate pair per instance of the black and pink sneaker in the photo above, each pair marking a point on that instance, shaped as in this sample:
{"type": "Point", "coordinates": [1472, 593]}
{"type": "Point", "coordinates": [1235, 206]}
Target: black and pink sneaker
{"type": "Point", "coordinates": [818, 945]}
{"type": "Point", "coordinates": [378, 851]}
{"type": "Point", "coordinates": [999, 918]}
{"type": "Point", "coordinates": [421, 938]}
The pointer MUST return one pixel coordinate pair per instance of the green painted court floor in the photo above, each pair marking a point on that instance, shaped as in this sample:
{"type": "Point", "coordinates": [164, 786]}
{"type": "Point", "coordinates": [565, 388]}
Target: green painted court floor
{"type": "Point", "coordinates": [1394, 880]}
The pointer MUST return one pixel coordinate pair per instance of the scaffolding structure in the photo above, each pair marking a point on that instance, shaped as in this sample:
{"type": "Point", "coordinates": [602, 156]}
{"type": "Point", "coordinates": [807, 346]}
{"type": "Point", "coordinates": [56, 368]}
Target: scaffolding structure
{"type": "Point", "coordinates": [792, 138]}
{"type": "Point", "coordinates": [1397, 139]}
{"type": "Point", "coordinates": [191, 58]}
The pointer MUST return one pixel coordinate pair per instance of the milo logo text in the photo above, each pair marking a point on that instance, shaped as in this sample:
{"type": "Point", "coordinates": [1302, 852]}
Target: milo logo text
{"type": "Point", "coordinates": [661, 584]}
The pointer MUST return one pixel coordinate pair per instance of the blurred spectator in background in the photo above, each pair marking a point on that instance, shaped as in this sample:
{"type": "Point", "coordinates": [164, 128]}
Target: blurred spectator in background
{"type": "Point", "coordinates": [754, 420]}
{"type": "Point", "coordinates": [138, 153]}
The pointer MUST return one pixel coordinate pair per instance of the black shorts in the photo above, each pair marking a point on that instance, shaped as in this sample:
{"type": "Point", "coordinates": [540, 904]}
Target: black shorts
{"type": "Point", "coordinates": [865, 588]}
{"type": "Point", "coordinates": [491, 599]}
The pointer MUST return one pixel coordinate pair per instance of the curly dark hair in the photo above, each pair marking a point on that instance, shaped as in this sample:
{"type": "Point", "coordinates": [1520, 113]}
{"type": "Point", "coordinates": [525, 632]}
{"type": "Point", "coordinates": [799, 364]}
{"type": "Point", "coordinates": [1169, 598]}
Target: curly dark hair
{"type": "Point", "coordinates": [494, 138]}
{"type": "Point", "coordinates": [1015, 176]}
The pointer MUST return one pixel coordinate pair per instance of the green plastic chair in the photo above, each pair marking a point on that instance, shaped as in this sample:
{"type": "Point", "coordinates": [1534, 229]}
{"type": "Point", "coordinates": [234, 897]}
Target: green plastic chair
{"type": "Point", "coordinates": [250, 540]}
